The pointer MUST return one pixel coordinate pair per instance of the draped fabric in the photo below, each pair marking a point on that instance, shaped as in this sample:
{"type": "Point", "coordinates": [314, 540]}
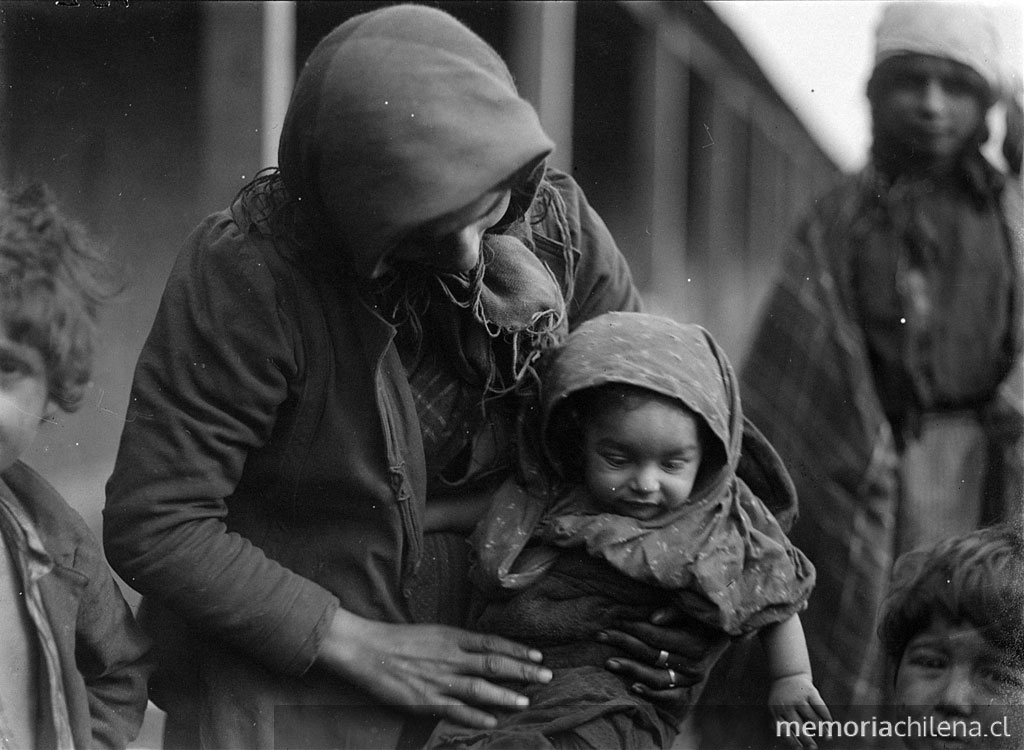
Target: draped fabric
{"type": "Point", "coordinates": [552, 567]}
{"type": "Point", "coordinates": [723, 546]}
{"type": "Point", "coordinates": [808, 384]}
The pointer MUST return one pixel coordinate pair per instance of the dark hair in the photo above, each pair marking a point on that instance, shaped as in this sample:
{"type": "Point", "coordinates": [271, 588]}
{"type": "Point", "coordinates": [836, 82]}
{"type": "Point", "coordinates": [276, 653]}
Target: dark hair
{"type": "Point", "coordinates": [976, 578]}
{"type": "Point", "coordinates": [52, 281]}
{"type": "Point", "coordinates": [570, 419]}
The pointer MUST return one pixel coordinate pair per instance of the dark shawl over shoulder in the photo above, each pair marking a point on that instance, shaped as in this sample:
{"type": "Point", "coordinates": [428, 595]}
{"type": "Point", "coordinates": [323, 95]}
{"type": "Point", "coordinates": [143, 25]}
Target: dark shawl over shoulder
{"type": "Point", "coordinates": [807, 383]}
{"type": "Point", "coordinates": [92, 639]}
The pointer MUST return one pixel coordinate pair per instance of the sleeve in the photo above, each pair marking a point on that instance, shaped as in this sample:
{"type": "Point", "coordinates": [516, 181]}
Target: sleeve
{"type": "Point", "coordinates": [111, 655]}
{"type": "Point", "coordinates": [603, 282]}
{"type": "Point", "coordinates": [209, 382]}
{"type": "Point", "coordinates": [1004, 415]}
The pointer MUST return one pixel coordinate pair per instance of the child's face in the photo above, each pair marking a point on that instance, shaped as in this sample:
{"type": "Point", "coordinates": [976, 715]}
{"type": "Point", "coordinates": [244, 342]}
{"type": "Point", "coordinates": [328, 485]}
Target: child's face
{"type": "Point", "coordinates": [642, 460]}
{"type": "Point", "coordinates": [951, 673]}
{"type": "Point", "coordinates": [930, 104]}
{"type": "Point", "coordinates": [24, 398]}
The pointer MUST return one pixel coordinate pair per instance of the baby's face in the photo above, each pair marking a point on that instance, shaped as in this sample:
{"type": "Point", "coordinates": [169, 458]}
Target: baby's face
{"type": "Point", "coordinates": [642, 461]}
{"type": "Point", "coordinates": [950, 673]}
{"type": "Point", "coordinates": [24, 399]}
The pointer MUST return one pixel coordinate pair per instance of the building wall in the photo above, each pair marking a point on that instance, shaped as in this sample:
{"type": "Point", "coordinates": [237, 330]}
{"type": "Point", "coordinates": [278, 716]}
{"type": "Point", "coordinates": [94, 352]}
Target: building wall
{"type": "Point", "coordinates": [104, 105]}
{"type": "Point", "coordinates": [692, 159]}
{"type": "Point", "coordinates": [145, 116]}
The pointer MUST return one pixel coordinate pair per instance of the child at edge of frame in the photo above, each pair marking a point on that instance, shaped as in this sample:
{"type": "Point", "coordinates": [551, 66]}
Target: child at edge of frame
{"type": "Point", "coordinates": [629, 494]}
{"type": "Point", "coordinates": [74, 673]}
{"type": "Point", "coordinates": [952, 626]}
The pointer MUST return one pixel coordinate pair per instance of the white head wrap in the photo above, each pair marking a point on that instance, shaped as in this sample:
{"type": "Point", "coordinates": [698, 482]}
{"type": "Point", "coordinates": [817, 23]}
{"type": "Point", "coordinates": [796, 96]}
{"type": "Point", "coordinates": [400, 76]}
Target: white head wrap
{"type": "Point", "coordinates": [963, 32]}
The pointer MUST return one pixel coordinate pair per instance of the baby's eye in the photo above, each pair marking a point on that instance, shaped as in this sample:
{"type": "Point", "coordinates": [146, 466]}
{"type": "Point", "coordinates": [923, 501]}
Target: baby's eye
{"type": "Point", "coordinates": [615, 460]}
{"type": "Point", "coordinates": [675, 465]}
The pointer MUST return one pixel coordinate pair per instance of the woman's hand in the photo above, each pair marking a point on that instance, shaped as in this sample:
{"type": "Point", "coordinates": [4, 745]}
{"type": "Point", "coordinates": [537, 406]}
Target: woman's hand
{"type": "Point", "coordinates": [671, 653]}
{"type": "Point", "coordinates": [431, 668]}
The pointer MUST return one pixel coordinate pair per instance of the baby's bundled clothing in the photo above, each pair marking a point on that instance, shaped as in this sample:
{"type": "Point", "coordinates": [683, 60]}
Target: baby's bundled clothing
{"type": "Point", "coordinates": [552, 568]}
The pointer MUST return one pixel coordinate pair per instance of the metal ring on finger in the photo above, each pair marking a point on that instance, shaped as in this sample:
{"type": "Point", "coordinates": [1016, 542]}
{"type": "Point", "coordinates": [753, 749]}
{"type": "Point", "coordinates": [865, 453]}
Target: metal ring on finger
{"type": "Point", "coordinates": [662, 660]}
{"type": "Point", "coordinates": [673, 678]}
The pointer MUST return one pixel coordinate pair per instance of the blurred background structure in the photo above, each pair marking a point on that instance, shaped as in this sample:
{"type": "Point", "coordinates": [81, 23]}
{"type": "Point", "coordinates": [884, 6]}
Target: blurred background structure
{"type": "Point", "coordinates": [144, 116]}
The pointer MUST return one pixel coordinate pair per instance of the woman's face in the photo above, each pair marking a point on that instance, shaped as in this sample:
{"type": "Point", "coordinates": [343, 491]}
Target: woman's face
{"type": "Point", "coordinates": [950, 673]}
{"type": "Point", "coordinates": [930, 105]}
{"type": "Point", "coordinates": [451, 244]}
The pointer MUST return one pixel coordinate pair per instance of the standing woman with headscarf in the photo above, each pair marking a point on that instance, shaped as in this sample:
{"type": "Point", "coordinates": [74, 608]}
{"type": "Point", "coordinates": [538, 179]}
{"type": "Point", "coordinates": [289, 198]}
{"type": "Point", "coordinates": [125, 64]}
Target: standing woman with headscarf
{"type": "Point", "coordinates": [886, 370]}
{"type": "Point", "coordinates": [322, 408]}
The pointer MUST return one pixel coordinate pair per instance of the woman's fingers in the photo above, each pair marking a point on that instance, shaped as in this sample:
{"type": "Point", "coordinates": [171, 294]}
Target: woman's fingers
{"type": "Point", "coordinates": [467, 682]}
{"type": "Point", "coordinates": [656, 678]}
{"type": "Point", "coordinates": [669, 653]}
{"type": "Point", "coordinates": [643, 658]}
{"type": "Point", "coordinates": [674, 695]}
{"type": "Point", "coordinates": [432, 668]}
{"type": "Point", "coordinates": [495, 645]}
{"type": "Point", "coordinates": [683, 637]}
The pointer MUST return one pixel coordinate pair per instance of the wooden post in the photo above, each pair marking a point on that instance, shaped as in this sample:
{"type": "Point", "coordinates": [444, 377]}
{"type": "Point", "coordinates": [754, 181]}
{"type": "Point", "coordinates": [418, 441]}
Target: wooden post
{"type": "Point", "coordinates": [542, 62]}
{"type": "Point", "coordinates": [278, 73]}
{"type": "Point", "coordinates": [232, 80]}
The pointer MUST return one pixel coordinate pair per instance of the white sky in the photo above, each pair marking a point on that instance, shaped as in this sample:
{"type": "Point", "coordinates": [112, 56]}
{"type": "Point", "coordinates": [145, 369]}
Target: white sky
{"type": "Point", "coordinates": [818, 54]}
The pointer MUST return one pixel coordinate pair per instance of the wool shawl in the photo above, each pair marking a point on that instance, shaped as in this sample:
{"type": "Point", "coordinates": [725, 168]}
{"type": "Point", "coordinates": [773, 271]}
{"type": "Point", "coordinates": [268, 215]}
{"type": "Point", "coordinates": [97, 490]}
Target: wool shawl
{"type": "Point", "coordinates": [807, 382]}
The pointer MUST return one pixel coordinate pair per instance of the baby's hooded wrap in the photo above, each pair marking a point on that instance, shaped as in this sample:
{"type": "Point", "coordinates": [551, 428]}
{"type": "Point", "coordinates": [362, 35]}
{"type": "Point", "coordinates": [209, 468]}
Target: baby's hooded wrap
{"type": "Point", "coordinates": [723, 552]}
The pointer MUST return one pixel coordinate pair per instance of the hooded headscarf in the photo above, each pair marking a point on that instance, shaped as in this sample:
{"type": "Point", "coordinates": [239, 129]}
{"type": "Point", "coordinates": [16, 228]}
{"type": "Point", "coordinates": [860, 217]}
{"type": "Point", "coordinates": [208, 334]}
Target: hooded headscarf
{"type": "Point", "coordinates": [402, 116]}
{"type": "Point", "coordinates": [962, 32]}
{"type": "Point", "coordinates": [723, 544]}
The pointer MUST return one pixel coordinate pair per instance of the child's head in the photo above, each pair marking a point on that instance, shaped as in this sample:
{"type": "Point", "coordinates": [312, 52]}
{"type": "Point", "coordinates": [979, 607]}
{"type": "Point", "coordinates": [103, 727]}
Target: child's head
{"type": "Point", "coordinates": [936, 74]}
{"type": "Point", "coordinates": [641, 450]}
{"type": "Point", "coordinates": [953, 625]}
{"type": "Point", "coordinates": [49, 294]}
{"type": "Point", "coordinates": [641, 409]}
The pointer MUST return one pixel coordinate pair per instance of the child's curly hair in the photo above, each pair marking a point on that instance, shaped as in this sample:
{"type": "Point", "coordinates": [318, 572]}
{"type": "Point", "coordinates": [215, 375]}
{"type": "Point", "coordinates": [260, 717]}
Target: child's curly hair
{"type": "Point", "coordinates": [976, 579]}
{"type": "Point", "coordinates": [52, 281]}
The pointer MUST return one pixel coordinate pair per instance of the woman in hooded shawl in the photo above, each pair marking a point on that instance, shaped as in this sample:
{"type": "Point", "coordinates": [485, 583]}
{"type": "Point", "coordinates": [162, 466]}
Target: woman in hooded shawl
{"type": "Point", "coordinates": [632, 500]}
{"type": "Point", "coordinates": [322, 409]}
{"type": "Point", "coordinates": [886, 368]}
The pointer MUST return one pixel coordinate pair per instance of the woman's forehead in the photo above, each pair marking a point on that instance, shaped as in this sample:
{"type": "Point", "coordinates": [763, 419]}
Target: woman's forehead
{"type": "Point", "coordinates": [932, 66]}
{"type": "Point", "coordinates": [465, 216]}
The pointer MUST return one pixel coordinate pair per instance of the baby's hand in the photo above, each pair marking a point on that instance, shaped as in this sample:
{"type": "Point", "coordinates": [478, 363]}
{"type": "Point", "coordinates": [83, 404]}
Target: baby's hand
{"type": "Point", "coordinates": [795, 699]}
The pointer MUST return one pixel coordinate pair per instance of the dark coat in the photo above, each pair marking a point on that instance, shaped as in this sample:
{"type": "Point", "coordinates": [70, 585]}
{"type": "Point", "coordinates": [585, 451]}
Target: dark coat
{"type": "Point", "coordinates": [100, 650]}
{"type": "Point", "coordinates": [271, 466]}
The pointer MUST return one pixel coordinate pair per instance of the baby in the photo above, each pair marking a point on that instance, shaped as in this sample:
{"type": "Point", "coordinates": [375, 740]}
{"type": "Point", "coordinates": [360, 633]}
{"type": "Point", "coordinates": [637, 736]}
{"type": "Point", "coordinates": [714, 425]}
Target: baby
{"type": "Point", "coordinates": [628, 498]}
